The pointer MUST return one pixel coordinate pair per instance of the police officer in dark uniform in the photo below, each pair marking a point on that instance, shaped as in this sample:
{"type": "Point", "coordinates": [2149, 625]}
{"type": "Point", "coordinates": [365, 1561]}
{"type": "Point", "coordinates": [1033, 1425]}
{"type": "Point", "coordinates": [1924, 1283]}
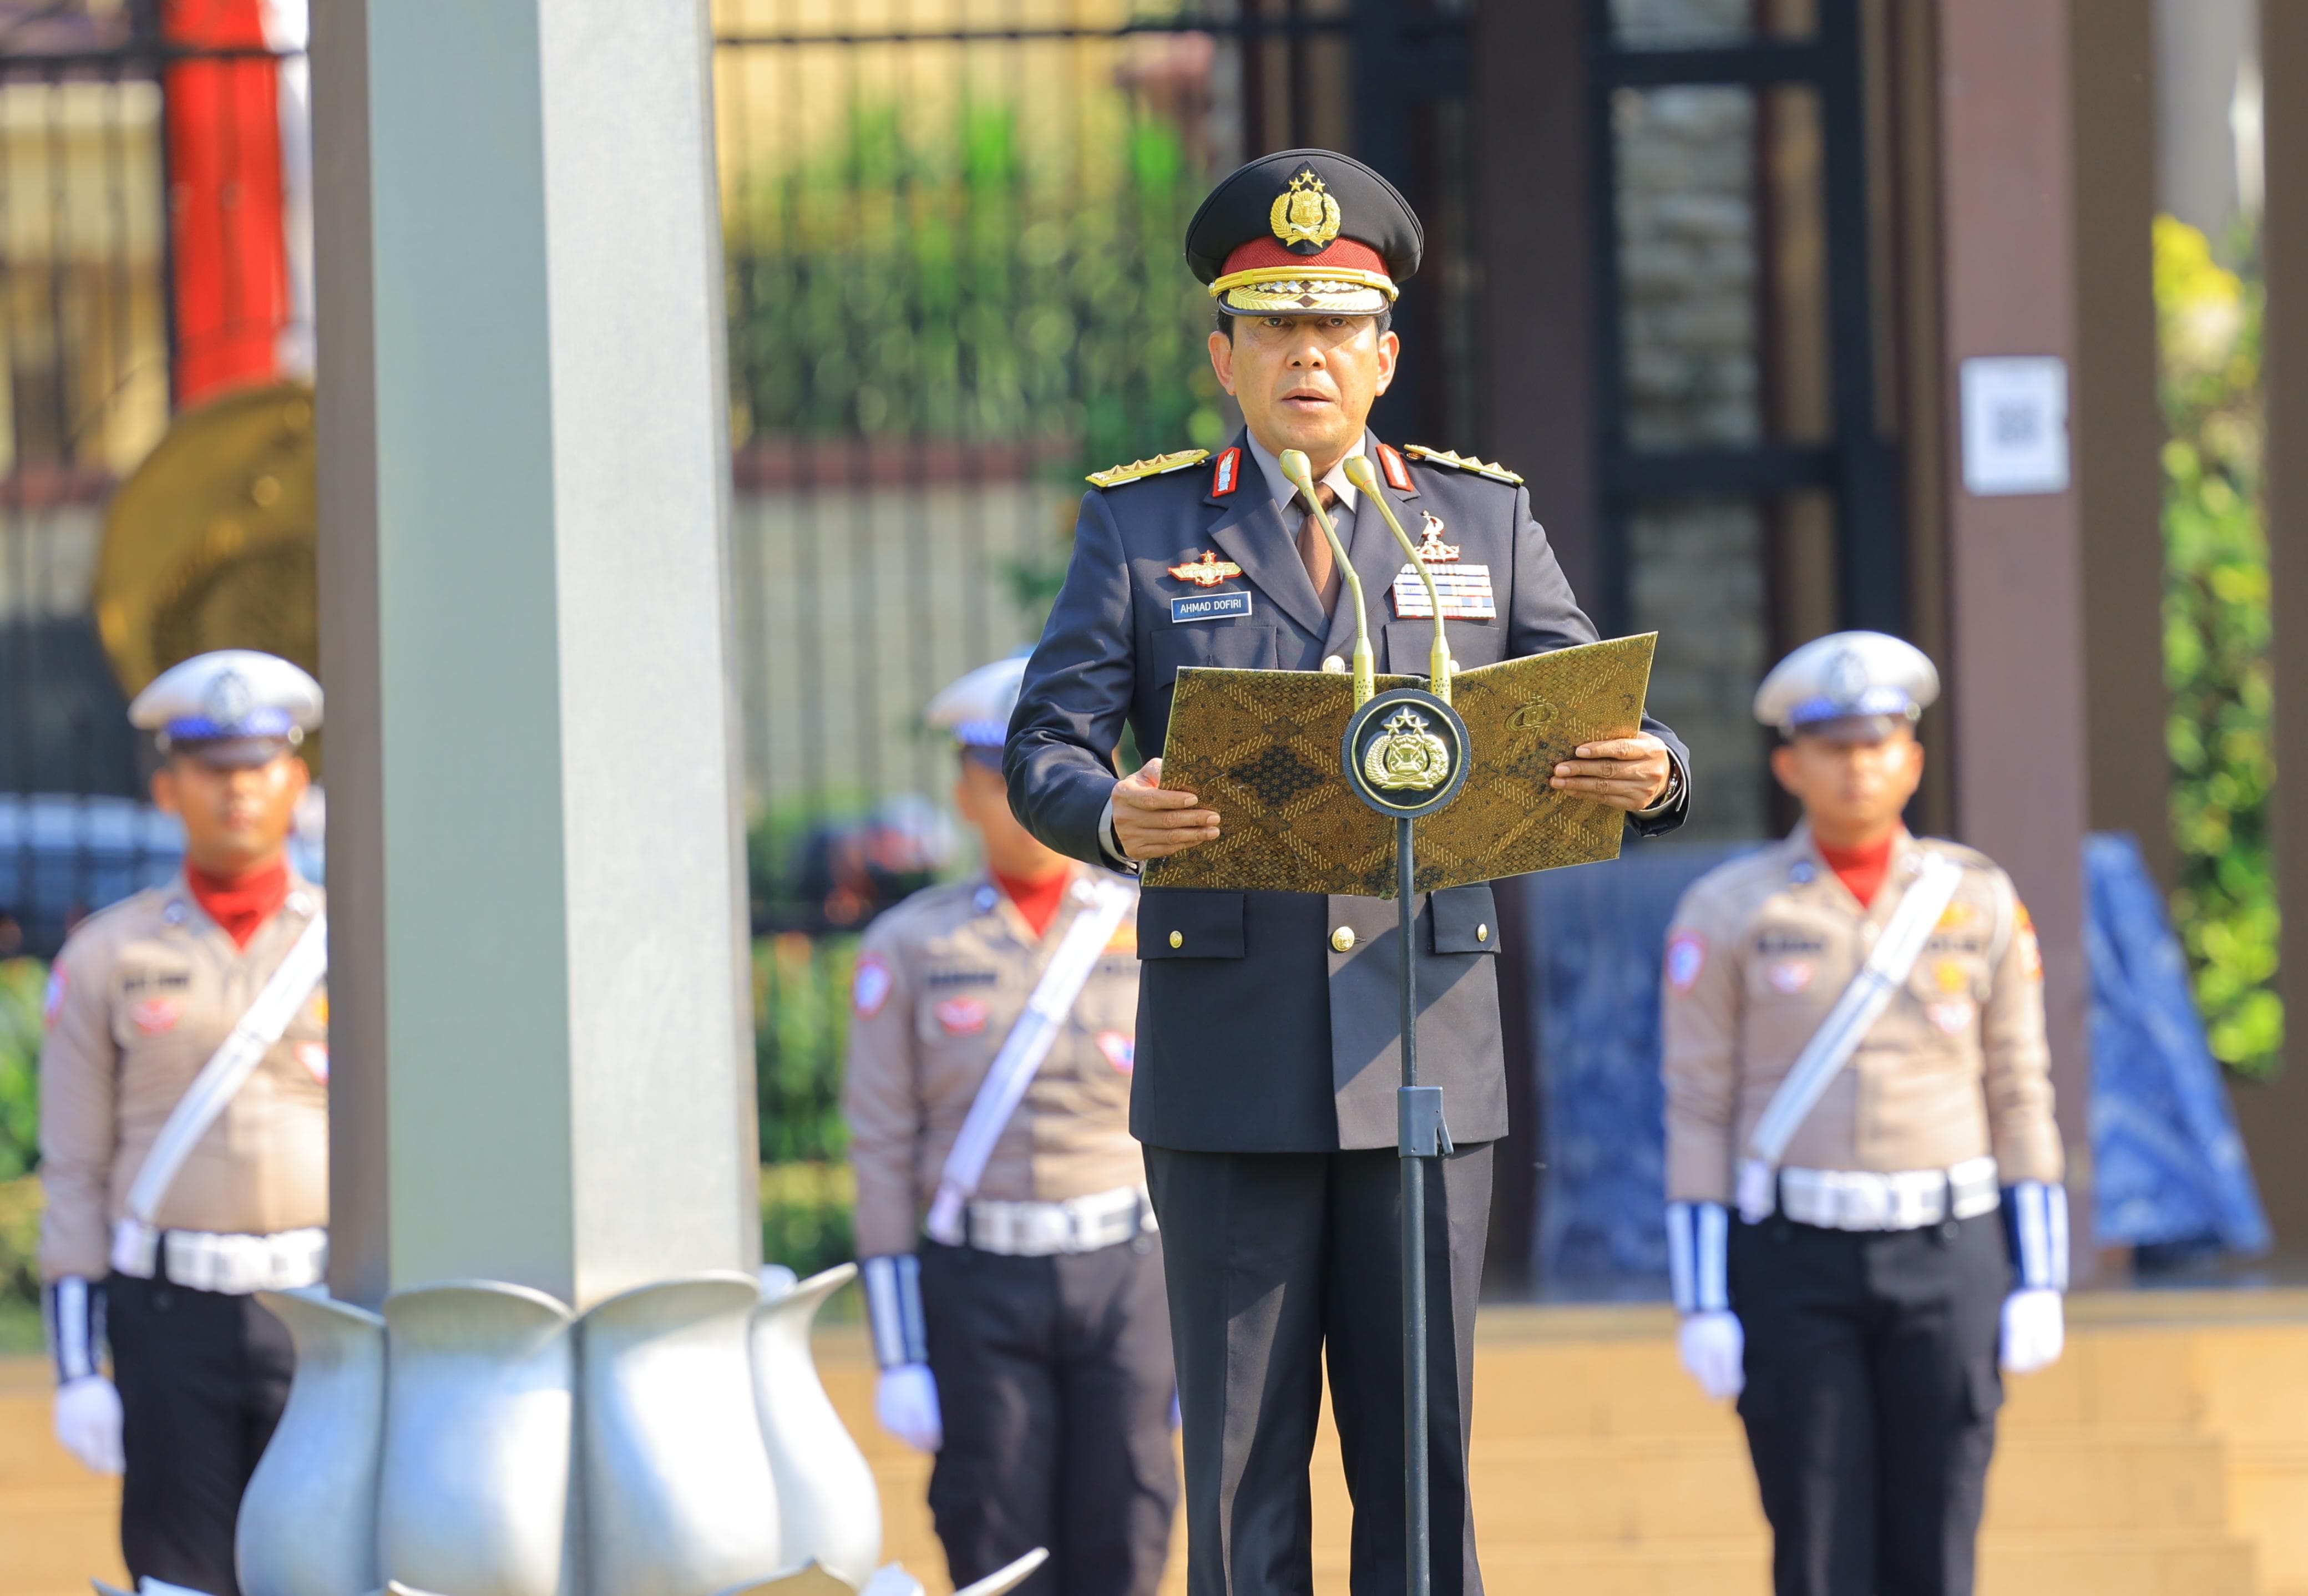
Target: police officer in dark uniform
{"type": "Point", "coordinates": [1267, 1021]}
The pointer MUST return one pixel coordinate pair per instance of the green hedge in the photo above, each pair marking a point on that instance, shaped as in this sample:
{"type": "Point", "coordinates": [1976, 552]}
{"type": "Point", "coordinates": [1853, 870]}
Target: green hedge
{"type": "Point", "coordinates": [2216, 642]}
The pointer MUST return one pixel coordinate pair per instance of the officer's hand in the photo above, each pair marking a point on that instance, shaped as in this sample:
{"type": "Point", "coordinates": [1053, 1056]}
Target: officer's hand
{"type": "Point", "coordinates": [2034, 1329]}
{"type": "Point", "coordinates": [1714, 1349]}
{"type": "Point", "coordinates": [1629, 773]}
{"type": "Point", "coordinates": [906, 1402]}
{"type": "Point", "coordinates": [1151, 822]}
{"type": "Point", "coordinates": [88, 1423]}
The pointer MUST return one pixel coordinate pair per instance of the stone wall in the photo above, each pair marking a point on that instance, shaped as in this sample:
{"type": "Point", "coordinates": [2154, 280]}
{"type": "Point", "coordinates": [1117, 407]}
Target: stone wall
{"type": "Point", "coordinates": [1688, 262]}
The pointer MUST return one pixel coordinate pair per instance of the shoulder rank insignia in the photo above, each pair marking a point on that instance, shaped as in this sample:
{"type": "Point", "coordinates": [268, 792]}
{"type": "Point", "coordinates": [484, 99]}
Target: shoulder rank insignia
{"type": "Point", "coordinates": [1207, 571]}
{"type": "Point", "coordinates": [1460, 462]}
{"type": "Point", "coordinates": [1115, 475]}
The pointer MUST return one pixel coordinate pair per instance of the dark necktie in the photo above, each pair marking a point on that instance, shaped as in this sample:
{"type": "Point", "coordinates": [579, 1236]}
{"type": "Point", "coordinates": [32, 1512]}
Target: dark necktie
{"type": "Point", "coordinates": [1314, 548]}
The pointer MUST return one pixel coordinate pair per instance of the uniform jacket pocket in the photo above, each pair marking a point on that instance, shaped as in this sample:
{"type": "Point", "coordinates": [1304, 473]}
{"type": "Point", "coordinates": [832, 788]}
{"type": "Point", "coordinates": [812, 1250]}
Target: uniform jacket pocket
{"type": "Point", "coordinates": [1189, 922]}
{"type": "Point", "coordinates": [1473, 644]}
{"type": "Point", "coordinates": [1465, 920]}
{"type": "Point", "coordinates": [1227, 645]}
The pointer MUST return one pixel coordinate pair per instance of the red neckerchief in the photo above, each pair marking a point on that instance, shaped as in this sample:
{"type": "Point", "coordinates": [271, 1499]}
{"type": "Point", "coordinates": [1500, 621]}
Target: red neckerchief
{"type": "Point", "coordinates": [241, 903]}
{"type": "Point", "coordinates": [1862, 870]}
{"type": "Point", "coordinates": [1037, 901]}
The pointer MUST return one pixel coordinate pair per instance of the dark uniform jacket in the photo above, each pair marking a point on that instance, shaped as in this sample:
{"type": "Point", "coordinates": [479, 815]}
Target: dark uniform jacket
{"type": "Point", "coordinates": [1254, 1034]}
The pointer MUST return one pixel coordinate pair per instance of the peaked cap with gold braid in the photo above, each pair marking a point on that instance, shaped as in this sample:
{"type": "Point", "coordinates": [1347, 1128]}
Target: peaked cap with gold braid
{"type": "Point", "coordinates": [1304, 233]}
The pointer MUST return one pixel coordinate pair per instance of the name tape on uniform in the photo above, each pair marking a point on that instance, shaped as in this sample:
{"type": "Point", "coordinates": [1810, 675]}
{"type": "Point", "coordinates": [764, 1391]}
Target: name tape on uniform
{"type": "Point", "coordinates": [1214, 606]}
{"type": "Point", "coordinates": [1465, 591]}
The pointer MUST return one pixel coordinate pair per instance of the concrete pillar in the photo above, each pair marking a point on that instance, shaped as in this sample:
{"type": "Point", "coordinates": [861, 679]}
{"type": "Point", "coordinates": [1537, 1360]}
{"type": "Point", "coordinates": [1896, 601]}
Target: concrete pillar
{"type": "Point", "coordinates": [541, 1039]}
{"type": "Point", "coordinates": [2274, 1118]}
{"type": "Point", "coordinates": [2119, 427]}
{"type": "Point", "coordinates": [1528, 65]}
{"type": "Point", "coordinates": [2016, 638]}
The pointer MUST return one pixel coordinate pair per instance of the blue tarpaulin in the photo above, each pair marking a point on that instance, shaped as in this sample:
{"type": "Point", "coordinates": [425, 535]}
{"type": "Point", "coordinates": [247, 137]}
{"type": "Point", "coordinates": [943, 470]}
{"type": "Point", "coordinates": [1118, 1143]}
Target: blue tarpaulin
{"type": "Point", "coordinates": [2169, 1166]}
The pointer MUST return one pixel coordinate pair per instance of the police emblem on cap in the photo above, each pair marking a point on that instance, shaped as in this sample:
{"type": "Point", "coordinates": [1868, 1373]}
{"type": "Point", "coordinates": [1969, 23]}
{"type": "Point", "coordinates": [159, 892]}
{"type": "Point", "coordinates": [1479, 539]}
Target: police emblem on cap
{"type": "Point", "coordinates": [1305, 213]}
{"type": "Point", "coordinates": [1846, 677]}
{"type": "Point", "coordinates": [228, 699]}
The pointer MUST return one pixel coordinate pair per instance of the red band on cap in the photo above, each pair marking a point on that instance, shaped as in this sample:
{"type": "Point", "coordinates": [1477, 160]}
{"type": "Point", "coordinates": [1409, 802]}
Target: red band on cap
{"type": "Point", "coordinates": [1344, 254]}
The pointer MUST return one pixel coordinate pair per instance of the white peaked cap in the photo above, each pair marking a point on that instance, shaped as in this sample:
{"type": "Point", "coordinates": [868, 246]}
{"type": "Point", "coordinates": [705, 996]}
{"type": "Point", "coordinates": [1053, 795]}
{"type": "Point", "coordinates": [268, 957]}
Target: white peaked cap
{"type": "Point", "coordinates": [231, 693]}
{"type": "Point", "coordinates": [1846, 674]}
{"type": "Point", "coordinates": [976, 709]}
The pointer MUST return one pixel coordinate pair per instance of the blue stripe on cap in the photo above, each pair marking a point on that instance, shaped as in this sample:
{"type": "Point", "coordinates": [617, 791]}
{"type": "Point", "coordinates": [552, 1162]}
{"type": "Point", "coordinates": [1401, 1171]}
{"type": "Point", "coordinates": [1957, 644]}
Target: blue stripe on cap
{"type": "Point", "coordinates": [1874, 701]}
{"type": "Point", "coordinates": [981, 734]}
{"type": "Point", "coordinates": [263, 722]}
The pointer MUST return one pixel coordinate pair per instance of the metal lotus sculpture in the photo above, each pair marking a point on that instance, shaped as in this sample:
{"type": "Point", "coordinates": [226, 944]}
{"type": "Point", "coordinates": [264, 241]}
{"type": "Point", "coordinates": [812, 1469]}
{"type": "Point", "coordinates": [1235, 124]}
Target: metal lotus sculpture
{"type": "Point", "coordinates": [478, 1439]}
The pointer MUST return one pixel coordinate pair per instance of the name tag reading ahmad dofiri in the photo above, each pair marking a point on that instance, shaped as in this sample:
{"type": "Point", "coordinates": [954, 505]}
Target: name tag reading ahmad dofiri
{"type": "Point", "coordinates": [1209, 606]}
{"type": "Point", "coordinates": [1465, 591]}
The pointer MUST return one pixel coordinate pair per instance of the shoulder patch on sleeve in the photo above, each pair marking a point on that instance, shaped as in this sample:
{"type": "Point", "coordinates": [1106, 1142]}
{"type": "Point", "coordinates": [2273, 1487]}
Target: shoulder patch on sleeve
{"type": "Point", "coordinates": [869, 989]}
{"type": "Point", "coordinates": [1460, 462]}
{"type": "Point", "coordinates": [52, 1004]}
{"type": "Point", "coordinates": [1686, 957]}
{"type": "Point", "coordinates": [1177, 460]}
{"type": "Point", "coordinates": [2031, 948]}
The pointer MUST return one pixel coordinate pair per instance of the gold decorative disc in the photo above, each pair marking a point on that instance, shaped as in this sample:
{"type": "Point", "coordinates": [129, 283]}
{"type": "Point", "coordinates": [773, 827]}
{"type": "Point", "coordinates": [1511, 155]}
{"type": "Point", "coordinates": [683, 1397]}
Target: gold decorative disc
{"type": "Point", "coordinates": [212, 542]}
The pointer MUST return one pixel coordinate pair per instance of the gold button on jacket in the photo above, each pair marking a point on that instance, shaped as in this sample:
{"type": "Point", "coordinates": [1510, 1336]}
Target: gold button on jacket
{"type": "Point", "coordinates": [1343, 939]}
{"type": "Point", "coordinates": [1177, 939]}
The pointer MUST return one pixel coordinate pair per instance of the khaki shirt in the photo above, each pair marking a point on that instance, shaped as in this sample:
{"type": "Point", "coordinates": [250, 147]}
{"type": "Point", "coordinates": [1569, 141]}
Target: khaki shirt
{"type": "Point", "coordinates": [141, 998]}
{"type": "Point", "coordinates": [1955, 1066]}
{"type": "Point", "coordinates": [940, 979]}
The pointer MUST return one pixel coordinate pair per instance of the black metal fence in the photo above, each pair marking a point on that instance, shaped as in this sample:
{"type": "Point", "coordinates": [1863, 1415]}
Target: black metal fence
{"type": "Point", "coordinates": [955, 284]}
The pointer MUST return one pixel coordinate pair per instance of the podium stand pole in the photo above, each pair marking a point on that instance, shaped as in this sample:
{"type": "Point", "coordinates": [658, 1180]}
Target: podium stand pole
{"type": "Point", "coordinates": [1420, 1137]}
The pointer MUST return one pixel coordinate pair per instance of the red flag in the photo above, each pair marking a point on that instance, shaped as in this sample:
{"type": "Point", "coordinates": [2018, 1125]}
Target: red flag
{"type": "Point", "coordinates": [233, 298]}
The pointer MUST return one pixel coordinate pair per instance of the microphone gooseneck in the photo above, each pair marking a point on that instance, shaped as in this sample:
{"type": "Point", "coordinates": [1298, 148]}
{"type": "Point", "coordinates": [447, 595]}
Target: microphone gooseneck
{"type": "Point", "coordinates": [1438, 660]}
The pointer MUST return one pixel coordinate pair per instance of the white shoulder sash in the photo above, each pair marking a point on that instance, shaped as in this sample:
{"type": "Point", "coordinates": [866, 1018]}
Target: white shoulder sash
{"type": "Point", "coordinates": [226, 1072]}
{"type": "Point", "coordinates": [1022, 1052]}
{"type": "Point", "coordinates": [1858, 1007]}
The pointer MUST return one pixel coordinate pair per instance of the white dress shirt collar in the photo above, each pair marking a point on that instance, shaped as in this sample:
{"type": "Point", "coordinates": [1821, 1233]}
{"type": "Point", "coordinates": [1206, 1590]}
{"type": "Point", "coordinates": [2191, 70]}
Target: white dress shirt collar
{"type": "Point", "coordinates": [1279, 485]}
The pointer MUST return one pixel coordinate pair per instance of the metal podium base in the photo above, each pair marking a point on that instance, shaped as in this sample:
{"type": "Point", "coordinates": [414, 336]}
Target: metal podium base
{"type": "Point", "coordinates": [478, 1439]}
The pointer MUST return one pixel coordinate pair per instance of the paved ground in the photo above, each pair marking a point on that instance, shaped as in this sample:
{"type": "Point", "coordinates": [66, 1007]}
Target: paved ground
{"type": "Point", "coordinates": [2167, 1455]}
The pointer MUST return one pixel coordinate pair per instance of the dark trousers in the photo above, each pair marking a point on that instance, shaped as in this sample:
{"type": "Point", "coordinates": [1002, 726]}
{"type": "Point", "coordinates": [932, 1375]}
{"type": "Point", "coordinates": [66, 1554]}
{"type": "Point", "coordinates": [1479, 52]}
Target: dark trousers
{"type": "Point", "coordinates": [203, 1379]}
{"type": "Point", "coordinates": [1870, 1399]}
{"type": "Point", "coordinates": [1055, 1385]}
{"type": "Point", "coordinates": [1279, 1260]}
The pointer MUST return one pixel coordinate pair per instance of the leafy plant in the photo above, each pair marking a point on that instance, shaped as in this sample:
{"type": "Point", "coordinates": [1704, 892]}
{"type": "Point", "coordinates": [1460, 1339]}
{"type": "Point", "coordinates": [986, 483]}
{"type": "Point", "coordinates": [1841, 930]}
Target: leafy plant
{"type": "Point", "coordinates": [806, 1216]}
{"type": "Point", "coordinates": [2215, 641]}
{"type": "Point", "coordinates": [969, 285]}
{"type": "Point", "coordinates": [801, 1020]}
{"type": "Point", "coordinates": [23, 981]}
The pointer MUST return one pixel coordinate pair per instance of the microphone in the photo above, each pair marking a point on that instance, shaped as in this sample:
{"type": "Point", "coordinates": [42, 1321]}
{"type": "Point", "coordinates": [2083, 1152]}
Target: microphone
{"type": "Point", "coordinates": [1438, 660]}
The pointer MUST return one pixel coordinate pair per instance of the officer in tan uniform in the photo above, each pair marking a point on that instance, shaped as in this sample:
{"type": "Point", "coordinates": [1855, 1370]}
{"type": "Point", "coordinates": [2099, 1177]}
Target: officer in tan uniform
{"type": "Point", "coordinates": [1012, 1271]}
{"type": "Point", "coordinates": [1862, 1170]}
{"type": "Point", "coordinates": [184, 1126]}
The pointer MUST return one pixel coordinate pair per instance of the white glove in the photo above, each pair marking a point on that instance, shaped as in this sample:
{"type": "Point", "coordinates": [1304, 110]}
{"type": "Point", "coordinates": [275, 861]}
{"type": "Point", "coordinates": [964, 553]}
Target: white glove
{"type": "Point", "coordinates": [906, 1402]}
{"type": "Point", "coordinates": [2034, 1330]}
{"type": "Point", "coordinates": [1714, 1349]}
{"type": "Point", "coordinates": [88, 1423]}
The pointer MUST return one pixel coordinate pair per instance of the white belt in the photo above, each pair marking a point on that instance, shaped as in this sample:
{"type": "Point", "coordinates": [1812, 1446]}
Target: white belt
{"type": "Point", "coordinates": [204, 1261]}
{"type": "Point", "coordinates": [1078, 1224]}
{"type": "Point", "coordinates": [1906, 1200]}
